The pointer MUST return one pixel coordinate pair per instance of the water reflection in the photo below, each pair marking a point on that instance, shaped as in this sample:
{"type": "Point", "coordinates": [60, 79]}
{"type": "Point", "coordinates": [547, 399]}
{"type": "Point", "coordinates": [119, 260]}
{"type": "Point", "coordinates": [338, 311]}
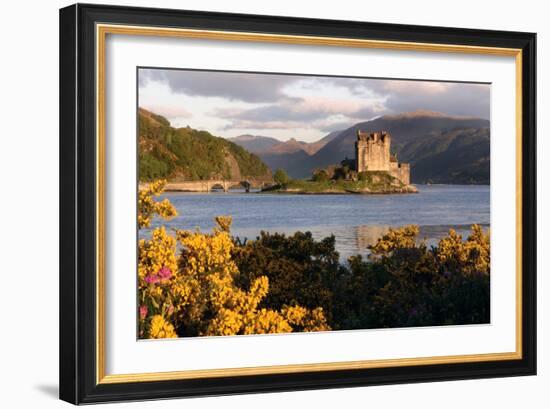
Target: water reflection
{"type": "Point", "coordinates": [357, 239]}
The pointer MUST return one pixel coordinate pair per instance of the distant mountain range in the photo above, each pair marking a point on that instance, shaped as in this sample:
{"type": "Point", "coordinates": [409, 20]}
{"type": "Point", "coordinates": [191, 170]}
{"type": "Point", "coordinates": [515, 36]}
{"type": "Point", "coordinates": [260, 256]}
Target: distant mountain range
{"type": "Point", "coordinates": [254, 143]}
{"type": "Point", "coordinates": [277, 154]}
{"type": "Point", "coordinates": [267, 145]}
{"type": "Point", "coordinates": [179, 154]}
{"type": "Point", "coordinates": [440, 148]}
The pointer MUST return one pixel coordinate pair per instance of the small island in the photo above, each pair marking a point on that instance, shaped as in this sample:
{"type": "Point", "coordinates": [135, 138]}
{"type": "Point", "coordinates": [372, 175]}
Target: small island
{"type": "Point", "coordinates": [373, 171]}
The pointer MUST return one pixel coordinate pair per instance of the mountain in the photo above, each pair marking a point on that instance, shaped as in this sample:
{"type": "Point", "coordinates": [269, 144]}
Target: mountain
{"type": "Point", "coordinates": [265, 145]}
{"type": "Point", "coordinates": [405, 128]}
{"type": "Point", "coordinates": [440, 148]}
{"type": "Point", "coordinates": [460, 156]}
{"type": "Point", "coordinates": [188, 154]}
{"type": "Point", "coordinates": [254, 143]}
{"type": "Point", "coordinates": [314, 147]}
{"type": "Point", "coordinates": [290, 146]}
{"type": "Point", "coordinates": [292, 162]}
{"type": "Point", "coordinates": [287, 155]}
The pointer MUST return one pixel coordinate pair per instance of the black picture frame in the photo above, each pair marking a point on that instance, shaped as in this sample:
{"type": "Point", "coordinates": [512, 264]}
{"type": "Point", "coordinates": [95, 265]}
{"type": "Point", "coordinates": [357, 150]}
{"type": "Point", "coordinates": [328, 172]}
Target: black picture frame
{"type": "Point", "coordinates": [78, 198]}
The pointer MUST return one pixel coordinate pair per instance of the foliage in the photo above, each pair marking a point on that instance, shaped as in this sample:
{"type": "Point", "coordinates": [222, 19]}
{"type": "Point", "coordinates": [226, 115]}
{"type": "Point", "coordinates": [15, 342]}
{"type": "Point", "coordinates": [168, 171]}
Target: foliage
{"type": "Point", "coordinates": [403, 283]}
{"type": "Point", "coordinates": [160, 328]}
{"type": "Point", "coordinates": [466, 257]}
{"type": "Point", "coordinates": [395, 240]}
{"type": "Point", "coordinates": [300, 269]}
{"type": "Point", "coordinates": [194, 293]}
{"type": "Point", "coordinates": [280, 177]}
{"type": "Point", "coordinates": [147, 207]}
{"type": "Point", "coordinates": [348, 163]}
{"type": "Point", "coordinates": [342, 172]}
{"type": "Point", "coordinates": [320, 176]}
{"type": "Point", "coordinates": [193, 283]}
{"type": "Point", "coordinates": [167, 152]}
{"type": "Point", "coordinates": [375, 182]}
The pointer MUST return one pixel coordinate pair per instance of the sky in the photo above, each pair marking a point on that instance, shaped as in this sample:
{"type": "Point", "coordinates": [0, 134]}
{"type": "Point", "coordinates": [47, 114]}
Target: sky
{"type": "Point", "coordinates": [306, 108]}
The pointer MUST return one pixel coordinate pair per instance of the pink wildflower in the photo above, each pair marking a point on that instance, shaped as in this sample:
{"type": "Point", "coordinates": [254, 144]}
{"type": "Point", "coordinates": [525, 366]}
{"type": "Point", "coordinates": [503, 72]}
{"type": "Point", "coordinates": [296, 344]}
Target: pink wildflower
{"type": "Point", "coordinates": [164, 273]}
{"type": "Point", "coordinates": [152, 279]}
{"type": "Point", "coordinates": [143, 312]}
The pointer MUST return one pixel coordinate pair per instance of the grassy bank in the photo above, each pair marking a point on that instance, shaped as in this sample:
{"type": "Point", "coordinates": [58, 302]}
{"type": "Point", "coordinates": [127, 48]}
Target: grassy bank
{"type": "Point", "coordinates": [373, 183]}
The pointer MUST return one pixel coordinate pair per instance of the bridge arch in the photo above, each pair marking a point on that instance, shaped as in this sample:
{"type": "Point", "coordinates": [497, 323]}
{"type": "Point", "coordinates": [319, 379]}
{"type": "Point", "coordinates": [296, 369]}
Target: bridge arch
{"type": "Point", "coordinates": [214, 185]}
{"type": "Point", "coordinates": [217, 186]}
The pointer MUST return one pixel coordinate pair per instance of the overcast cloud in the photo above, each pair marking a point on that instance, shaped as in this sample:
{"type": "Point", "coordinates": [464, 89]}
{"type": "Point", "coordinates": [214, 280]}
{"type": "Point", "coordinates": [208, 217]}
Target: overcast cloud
{"type": "Point", "coordinates": [303, 107]}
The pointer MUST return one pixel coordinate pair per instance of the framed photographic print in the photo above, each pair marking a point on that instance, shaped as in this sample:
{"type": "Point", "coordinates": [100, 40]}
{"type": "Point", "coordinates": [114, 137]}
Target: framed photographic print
{"type": "Point", "coordinates": [258, 203]}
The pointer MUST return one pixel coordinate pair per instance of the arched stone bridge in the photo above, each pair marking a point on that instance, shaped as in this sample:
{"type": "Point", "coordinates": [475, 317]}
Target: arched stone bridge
{"type": "Point", "coordinates": [210, 185]}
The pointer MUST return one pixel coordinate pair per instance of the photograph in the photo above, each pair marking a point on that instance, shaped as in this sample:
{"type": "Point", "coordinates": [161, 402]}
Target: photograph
{"type": "Point", "coordinates": [281, 202]}
{"type": "Point", "coordinates": [260, 203]}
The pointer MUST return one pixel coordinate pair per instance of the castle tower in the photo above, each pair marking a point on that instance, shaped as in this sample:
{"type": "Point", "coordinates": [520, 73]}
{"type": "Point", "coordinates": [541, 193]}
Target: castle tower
{"type": "Point", "coordinates": [372, 151]}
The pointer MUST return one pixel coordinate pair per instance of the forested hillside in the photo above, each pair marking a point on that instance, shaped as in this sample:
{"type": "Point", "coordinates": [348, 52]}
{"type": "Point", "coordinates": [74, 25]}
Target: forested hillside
{"type": "Point", "coordinates": [188, 154]}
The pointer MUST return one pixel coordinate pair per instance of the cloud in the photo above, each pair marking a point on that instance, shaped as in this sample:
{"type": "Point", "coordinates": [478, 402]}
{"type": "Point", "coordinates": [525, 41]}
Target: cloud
{"type": "Point", "coordinates": [337, 126]}
{"type": "Point", "coordinates": [454, 99]}
{"type": "Point", "coordinates": [326, 106]}
{"type": "Point", "coordinates": [396, 96]}
{"type": "Point", "coordinates": [323, 125]}
{"type": "Point", "coordinates": [302, 110]}
{"type": "Point", "coordinates": [246, 124]}
{"type": "Point", "coordinates": [232, 86]}
{"type": "Point", "coordinates": [403, 87]}
{"type": "Point", "coordinates": [227, 102]}
{"type": "Point", "coordinates": [370, 112]}
{"type": "Point", "coordinates": [168, 111]}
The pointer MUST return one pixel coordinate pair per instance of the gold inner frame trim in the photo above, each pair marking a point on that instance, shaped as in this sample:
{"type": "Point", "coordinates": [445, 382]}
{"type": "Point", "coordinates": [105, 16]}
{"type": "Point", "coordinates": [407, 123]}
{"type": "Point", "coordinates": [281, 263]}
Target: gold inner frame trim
{"type": "Point", "coordinates": [101, 33]}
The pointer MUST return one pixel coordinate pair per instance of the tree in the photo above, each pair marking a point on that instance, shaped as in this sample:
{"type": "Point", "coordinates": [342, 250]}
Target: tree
{"type": "Point", "coordinates": [320, 176]}
{"type": "Point", "coordinates": [341, 172]}
{"type": "Point", "coordinates": [281, 177]}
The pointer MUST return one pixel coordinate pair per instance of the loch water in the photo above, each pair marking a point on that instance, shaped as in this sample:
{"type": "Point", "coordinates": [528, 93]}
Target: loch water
{"type": "Point", "coordinates": [356, 221]}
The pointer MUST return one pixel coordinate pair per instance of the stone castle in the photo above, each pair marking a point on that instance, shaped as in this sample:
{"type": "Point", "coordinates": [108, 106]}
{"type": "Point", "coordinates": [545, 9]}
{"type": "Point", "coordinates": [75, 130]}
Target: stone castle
{"type": "Point", "coordinates": [372, 153]}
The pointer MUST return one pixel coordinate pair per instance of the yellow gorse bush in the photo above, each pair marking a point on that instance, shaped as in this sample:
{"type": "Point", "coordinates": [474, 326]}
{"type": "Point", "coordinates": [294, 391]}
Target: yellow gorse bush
{"type": "Point", "coordinates": [148, 207]}
{"type": "Point", "coordinates": [195, 293]}
{"type": "Point", "coordinates": [452, 253]}
{"type": "Point", "coordinates": [160, 328]}
{"type": "Point", "coordinates": [469, 256]}
{"type": "Point", "coordinates": [401, 238]}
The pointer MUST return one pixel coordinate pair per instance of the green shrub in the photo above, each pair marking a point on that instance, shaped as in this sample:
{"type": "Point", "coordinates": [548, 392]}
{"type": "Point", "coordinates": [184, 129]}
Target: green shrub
{"type": "Point", "coordinates": [320, 176]}
{"type": "Point", "coordinates": [300, 269]}
{"type": "Point", "coordinates": [281, 177]}
{"type": "Point", "coordinates": [402, 283]}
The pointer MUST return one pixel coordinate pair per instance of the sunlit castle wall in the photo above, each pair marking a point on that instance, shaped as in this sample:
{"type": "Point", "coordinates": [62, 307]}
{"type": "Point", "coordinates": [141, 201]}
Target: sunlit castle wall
{"type": "Point", "coordinates": [401, 171]}
{"type": "Point", "coordinates": [372, 151]}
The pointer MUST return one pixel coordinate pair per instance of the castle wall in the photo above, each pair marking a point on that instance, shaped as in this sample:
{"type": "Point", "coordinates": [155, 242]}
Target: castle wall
{"type": "Point", "coordinates": [372, 153]}
{"type": "Point", "coordinates": [402, 171]}
{"type": "Point", "coordinates": [359, 157]}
